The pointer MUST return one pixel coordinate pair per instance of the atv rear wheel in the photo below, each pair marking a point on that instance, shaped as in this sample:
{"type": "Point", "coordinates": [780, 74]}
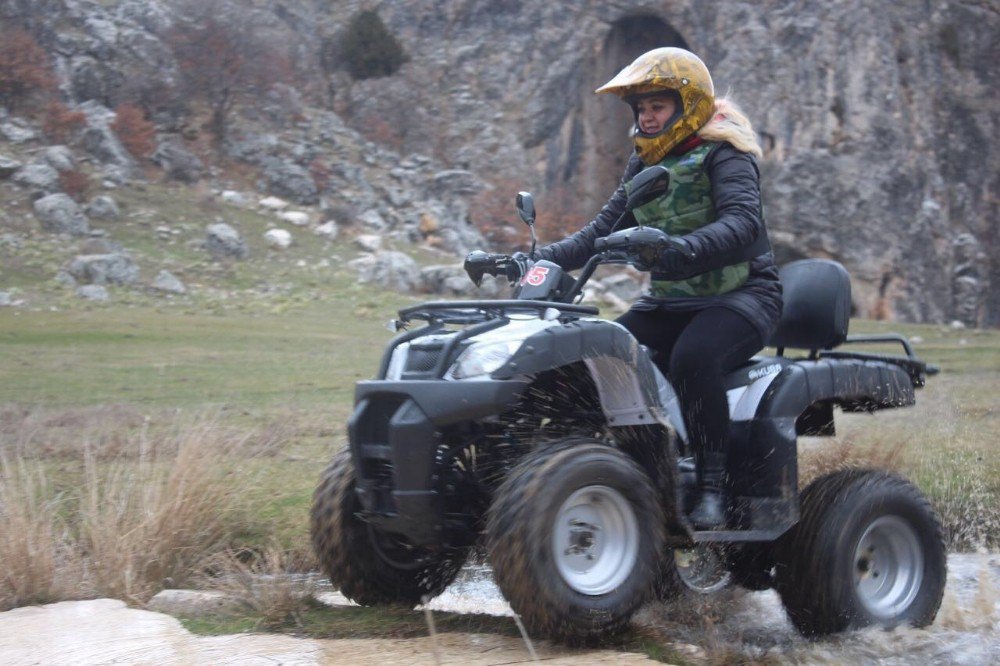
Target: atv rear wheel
{"type": "Point", "coordinates": [868, 550]}
{"type": "Point", "coordinates": [575, 532]}
{"type": "Point", "coordinates": [367, 567]}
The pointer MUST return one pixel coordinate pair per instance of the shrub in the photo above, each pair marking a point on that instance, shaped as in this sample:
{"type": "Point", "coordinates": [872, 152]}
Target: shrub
{"type": "Point", "coordinates": [75, 183]}
{"type": "Point", "coordinates": [25, 68]}
{"type": "Point", "coordinates": [137, 134]}
{"type": "Point", "coordinates": [369, 49]}
{"type": "Point", "coordinates": [60, 122]}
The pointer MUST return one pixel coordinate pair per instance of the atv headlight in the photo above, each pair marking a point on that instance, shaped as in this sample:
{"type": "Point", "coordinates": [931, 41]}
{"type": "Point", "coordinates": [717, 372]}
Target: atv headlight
{"type": "Point", "coordinates": [483, 358]}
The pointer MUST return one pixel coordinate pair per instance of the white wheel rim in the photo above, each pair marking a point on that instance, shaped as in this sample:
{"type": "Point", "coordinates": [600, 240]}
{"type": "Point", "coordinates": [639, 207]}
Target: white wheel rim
{"type": "Point", "coordinates": [888, 567]}
{"type": "Point", "coordinates": [595, 540]}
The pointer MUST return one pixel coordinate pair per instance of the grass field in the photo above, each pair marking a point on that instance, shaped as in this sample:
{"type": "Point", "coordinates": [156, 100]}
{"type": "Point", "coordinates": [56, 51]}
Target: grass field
{"type": "Point", "coordinates": [123, 429]}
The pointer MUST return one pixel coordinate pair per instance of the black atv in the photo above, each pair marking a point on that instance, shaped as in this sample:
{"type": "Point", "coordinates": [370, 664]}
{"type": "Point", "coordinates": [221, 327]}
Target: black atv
{"type": "Point", "coordinates": [553, 434]}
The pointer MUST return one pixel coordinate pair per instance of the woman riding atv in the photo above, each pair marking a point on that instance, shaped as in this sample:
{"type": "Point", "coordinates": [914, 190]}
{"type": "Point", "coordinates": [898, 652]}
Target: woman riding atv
{"type": "Point", "coordinates": [714, 298]}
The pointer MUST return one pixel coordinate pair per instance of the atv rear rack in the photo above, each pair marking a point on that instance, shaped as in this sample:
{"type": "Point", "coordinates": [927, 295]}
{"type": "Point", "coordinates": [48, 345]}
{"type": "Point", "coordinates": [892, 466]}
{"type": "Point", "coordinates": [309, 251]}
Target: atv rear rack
{"type": "Point", "coordinates": [913, 366]}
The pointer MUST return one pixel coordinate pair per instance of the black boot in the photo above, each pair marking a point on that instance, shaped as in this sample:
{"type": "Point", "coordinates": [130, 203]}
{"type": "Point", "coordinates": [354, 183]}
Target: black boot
{"type": "Point", "coordinates": [710, 511]}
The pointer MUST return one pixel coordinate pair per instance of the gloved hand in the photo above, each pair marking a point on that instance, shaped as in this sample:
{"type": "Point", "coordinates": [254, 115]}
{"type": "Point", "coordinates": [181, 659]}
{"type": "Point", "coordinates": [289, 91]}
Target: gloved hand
{"type": "Point", "coordinates": [517, 266]}
{"type": "Point", "coordinates": [666, 257]}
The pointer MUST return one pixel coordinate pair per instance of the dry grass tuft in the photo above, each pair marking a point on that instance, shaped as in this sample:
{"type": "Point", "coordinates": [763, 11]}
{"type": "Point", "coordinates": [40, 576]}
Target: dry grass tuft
{"type": "Point", "coordinates": [815, 462]}
{"type": "Point", "coordinates": [32, 538]}
{"type": "Point", "coordinates": [155, 514]}
{"type": "Point", "coordinates": [261, 581]}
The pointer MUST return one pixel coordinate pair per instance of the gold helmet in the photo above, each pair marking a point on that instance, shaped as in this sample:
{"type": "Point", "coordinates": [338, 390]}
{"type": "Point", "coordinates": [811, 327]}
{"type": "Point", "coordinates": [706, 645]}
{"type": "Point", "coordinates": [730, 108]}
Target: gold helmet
{"type": "Point", "coordinates": [673, 71]}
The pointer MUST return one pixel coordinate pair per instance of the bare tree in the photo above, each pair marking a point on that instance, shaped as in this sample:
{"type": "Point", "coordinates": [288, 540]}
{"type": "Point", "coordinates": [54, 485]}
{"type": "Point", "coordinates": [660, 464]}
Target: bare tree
{"type": "Point", "coordinates": [224, 61]}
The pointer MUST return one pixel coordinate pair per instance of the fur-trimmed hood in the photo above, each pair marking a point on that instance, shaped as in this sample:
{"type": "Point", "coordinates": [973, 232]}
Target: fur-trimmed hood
{"type": "Point", "coordinates": [730, 124]}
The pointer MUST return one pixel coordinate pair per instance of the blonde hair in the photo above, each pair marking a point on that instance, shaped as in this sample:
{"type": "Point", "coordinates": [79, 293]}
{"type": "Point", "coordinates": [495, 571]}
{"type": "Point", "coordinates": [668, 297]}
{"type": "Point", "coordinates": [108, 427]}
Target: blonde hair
{"type": "Point", "coordinates": [729, 123]}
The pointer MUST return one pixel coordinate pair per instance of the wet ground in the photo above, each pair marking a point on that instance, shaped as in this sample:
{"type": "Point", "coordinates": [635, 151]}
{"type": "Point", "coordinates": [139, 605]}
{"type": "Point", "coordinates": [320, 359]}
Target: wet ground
{"type": "Point", "coordinates": [743, 627]}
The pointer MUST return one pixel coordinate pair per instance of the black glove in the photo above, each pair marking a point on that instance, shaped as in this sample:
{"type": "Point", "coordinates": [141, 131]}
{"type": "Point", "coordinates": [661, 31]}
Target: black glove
{"type": "Point", "coordinates": [517, 266]}
{"type": "Point", "coordinates": [670, 255]}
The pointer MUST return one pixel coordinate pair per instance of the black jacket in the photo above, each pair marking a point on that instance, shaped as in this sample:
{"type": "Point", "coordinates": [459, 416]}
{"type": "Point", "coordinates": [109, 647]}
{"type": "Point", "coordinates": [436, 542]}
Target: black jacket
{"type": "Point", "coordinates": [736, 194]}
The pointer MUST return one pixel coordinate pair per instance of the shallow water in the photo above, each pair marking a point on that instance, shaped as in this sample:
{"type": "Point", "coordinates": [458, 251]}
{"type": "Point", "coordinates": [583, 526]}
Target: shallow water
{"type": "Point", "coordinates": [753, 625]}
{"type": "Point", "coordinates": [744, 626]}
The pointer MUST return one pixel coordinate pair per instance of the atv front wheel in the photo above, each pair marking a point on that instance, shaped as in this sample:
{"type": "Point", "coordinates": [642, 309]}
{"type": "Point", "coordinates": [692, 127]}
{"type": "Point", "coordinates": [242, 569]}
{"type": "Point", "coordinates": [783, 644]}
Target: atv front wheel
{"type": "Point", "coordinates": [868, 550]}
{"type": "Point", "coordinates": [367, 567]}
{"type": "Point", "coordinates": [575, 532]}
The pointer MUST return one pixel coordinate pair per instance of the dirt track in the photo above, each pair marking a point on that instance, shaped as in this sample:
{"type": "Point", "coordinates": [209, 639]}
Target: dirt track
{"type": "Point", "coordinates": [105, 631]}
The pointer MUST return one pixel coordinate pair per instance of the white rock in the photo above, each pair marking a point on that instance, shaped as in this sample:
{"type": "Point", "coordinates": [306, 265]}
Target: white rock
{"type": "Point", "coordinates": [956, 325]}
{"type": "Point", "coordinates": [278, 238]}
{"type": "Point", "coordinates": [372, 218]}
{"type": "Point", "coordinates": [273, 203]}
{"type": "Point", "coordinates": [168, 282]}
{"type": "Point", "coordinates": [327, 230]}
{"type": "Point", "coordinates": [296, 217]}
{"type": "Point", "coordinates": [92, 292]}
{"type": "Point", "coordinates": [234, 198]}
{"type": "Point", "coordinates": [193, 603]}
{"type": "Point", "coordinates": [5, 299]}
{"type": "Point", "coordinates": [369, 242]}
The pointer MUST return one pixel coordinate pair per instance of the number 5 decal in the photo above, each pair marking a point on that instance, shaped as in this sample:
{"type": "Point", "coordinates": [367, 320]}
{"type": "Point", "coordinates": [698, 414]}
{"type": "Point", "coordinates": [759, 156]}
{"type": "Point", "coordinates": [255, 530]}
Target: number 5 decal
{"type": "Point", "coordinates": [535, 277]}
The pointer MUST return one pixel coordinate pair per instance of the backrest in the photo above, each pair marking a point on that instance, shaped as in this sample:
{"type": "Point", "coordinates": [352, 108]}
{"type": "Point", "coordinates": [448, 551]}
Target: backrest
{"type": "Point", "coordinates": [817, 309]}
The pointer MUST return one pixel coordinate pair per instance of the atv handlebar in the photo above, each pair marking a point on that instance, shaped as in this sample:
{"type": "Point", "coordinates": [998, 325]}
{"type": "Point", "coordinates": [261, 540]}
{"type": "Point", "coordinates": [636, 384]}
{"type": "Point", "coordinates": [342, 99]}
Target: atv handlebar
{"type": "Point", "coordinates": [479, 263]}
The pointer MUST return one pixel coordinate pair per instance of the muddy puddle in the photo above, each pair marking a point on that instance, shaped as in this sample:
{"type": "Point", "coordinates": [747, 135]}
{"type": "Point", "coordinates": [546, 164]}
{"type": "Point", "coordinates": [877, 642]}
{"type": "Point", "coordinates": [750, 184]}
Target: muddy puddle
{"type": "Point", "coordinates": [742, 627]}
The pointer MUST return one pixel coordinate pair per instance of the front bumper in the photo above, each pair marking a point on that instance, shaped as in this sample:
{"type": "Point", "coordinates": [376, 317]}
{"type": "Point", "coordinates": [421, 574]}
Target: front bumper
{"type": "Point", "coordinates": [395, 432]}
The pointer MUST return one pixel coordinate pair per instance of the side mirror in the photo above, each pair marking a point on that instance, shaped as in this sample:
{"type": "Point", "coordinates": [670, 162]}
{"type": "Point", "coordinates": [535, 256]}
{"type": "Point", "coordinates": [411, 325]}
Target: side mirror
{"type": "Point", "coordinates": [526, 207]}
{"type": "Point", "coordinates": [649, 184]}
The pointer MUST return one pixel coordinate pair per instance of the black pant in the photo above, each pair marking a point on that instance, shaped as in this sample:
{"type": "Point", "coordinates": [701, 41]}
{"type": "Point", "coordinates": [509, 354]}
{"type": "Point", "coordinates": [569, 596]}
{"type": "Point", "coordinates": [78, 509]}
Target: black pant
{"type": "Point", "coordinates": [699, 348]}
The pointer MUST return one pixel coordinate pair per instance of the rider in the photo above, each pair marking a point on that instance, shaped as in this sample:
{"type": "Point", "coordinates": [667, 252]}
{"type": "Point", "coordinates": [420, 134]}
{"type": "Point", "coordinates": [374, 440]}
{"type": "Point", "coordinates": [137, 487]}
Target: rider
{"type": "Point", "coordinates": [715, 298]}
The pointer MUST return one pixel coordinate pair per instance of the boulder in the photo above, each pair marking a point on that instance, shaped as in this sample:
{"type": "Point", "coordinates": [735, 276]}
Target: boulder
{"type": "Point", "coordinates": [224, 242]}
{"type": "Point", "coordinates": [623, 286]}
{"type": "Point", "coordinates": [296, 217]}
{"type": "Point", "coordinates": [115, 268]}
{"type": "Point", "coordinates": [291, 181]}
{"type": "Point", "coordinates": [16, 130]}
{"type": "Point", "coordinates": [455, 182]}
{"type": "Point", "coordinates": [373, 219]}
{"type": "Point", "coordinates": [38, 176]}
{"type": "Point", "coordinates": [252, 148]}
{"type": "Point", "coordinates": [279, 239]}
{"type": "Point", "coordinates": [103, 207]}
{"type": "Point", "coordinates": [92, 292]}
{"type": "Point", "coordinates": [5, 299]}
{"type": "Point", "coordinates": [59, 158]}
{"type": "Point", "coordinates": [167, 282]}
{"type": "Point", "coordinates": [195, 603]}
{"type": "Point", "coordinates": [100, 140]}
{"type": "Point", "coordinates": [394, 271]}
{"type": "Point", "coordinates": [273, 203]}
{"type": "Point", "coordinates": [8, 167]}
{"type": "Point", "coordinates": [179, 163]}
{"type": "Point", "coordinates": [369, 242]}
{"type": "Point", "coordinates": [59, 214]}
{"type": "Point", "coordinates": [327, 230]}
{"type": "Point", "coordinates": [234, 198]}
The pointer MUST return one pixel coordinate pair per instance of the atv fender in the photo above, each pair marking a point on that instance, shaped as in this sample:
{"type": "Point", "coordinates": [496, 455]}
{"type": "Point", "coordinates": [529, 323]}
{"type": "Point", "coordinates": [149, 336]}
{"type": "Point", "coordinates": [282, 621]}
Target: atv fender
{"type": "Point", "coordinates": [621, 370]}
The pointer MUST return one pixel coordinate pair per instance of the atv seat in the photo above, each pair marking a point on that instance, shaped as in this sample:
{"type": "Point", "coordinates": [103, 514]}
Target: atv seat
{"type": "Point", "coordinates": [817, 305]}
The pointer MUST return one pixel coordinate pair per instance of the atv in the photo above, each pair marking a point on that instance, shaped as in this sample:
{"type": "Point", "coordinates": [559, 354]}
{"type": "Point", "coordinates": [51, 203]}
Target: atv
{"type": "Point", "coordinates": [548, 434]}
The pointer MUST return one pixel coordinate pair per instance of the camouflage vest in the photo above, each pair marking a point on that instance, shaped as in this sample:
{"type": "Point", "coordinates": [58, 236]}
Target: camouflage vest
{"type": "Point", "coordinates": [687, 206]}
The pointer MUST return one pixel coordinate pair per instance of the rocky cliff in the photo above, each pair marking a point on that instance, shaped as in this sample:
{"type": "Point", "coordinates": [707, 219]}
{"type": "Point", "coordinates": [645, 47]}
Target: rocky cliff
{"type": "Point", "coordinates": [878, 119]}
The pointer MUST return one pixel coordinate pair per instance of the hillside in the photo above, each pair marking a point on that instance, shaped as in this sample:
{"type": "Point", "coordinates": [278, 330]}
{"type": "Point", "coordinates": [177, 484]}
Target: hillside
{"type": "Point", "coordinates": [417, 122]}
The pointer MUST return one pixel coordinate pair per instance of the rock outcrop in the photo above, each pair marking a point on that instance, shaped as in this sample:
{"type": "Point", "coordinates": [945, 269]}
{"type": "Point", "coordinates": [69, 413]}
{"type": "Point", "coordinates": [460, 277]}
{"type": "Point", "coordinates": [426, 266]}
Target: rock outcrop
{"type": "Point", "coordinates": [878, 120]}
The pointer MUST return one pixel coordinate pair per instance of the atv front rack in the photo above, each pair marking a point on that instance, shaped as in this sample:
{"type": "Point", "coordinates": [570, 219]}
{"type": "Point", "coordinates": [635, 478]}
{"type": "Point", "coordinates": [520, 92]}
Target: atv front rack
{"type": "Point", "coordinates": [470, 312]}
{"type": "Point", "coordinates": [478, 316]}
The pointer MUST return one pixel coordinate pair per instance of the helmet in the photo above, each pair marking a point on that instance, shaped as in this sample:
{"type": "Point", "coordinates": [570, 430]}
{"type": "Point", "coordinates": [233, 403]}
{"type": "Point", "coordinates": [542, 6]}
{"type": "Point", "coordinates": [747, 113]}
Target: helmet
{"type": "Point", "coordinates": [673, 71]}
